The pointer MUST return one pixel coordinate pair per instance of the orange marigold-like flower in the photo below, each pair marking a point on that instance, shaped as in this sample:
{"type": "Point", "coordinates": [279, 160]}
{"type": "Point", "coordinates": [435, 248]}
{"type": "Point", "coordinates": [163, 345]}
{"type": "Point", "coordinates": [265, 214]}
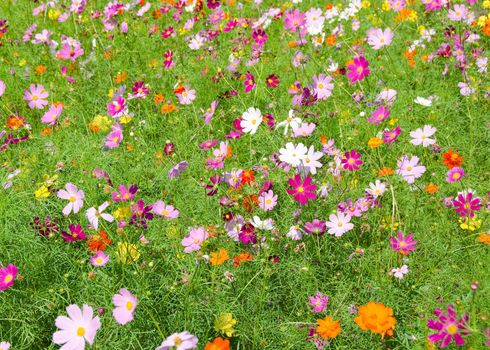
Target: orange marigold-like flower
{"type": "Point", "coordinates": [452, 159]}
{"type": "Point", "coordinates": [247, 176]}
{"type": "Point", "coordinates": [218, 344]}
{"type": "Point", "coordinates": [484, 238]}
{"type": "Point", "coordinates": [375, 142]}
{"type": "Point", "coordinates": [328, 328]}
{"type": "Point", "coordinates": [241, 258]}
{"type": "Point", "coordinates": [385, 172]}
{"type": "Point", "coordinates": [431, 188]}
{"type": "Point", "coordinates": [377, 318]}
{"type": "Point", "coordinates": [219, 257]}
{"type": "Point", "coordinates": [98, 242]}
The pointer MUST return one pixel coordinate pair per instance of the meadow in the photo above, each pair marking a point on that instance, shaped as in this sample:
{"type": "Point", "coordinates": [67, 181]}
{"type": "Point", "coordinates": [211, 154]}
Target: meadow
{"type": "Point", "coordinates": [226, 174]}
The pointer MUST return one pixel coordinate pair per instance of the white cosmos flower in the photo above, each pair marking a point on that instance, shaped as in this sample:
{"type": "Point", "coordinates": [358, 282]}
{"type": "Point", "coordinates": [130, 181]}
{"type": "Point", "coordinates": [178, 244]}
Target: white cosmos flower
{"type": "Point", "coordinates": [293, 154]}
{"type": "Point", "coordinates": [251, 120]}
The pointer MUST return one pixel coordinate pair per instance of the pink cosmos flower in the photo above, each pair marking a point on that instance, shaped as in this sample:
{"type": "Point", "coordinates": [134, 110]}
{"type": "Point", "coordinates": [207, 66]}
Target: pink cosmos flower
{"type": "Point", "coordinates": [115, 108]}
{"type": "Point", "coordinates": [4, 345]}
{"type": "Point", "coordinates": [192, 242]}
{"type": "Point", "coordinates": [249, 82]}
{"type": "Point", "coordinates": [466, 203]}
{"type": "Point", "coordinates": [167, 211]}
{"type": "Point", "coordinates": [403, 245]}
{"type": "Point", "coordinates": [99, 259]}
{"type": "Point", "coordinates": [380, 114]}
{"type": "Point", "coordinates": [2, 88]}
{"type": "Point", "coordinates": [303, 191]}
{"type": "Point", "coordinates": [124, 194]}
{"type": "Point", "coordinates": [52, 114]}
{"type": "Point", "coordinates": [7, 276]}
{"type": "Point", "coordinates": [399, 272]}
{"type": "Point", "coordinates": [410, 169]}
{"type": "Point", "coordinates": [322, 86]}
{"type": "Point", "coordinates": [93, 215]}
{"type": "Point", "coordinates": [378, 38]}
{"type": "Point", "coordinates": [448, 328]}
{"type": "Point", "coordinates": [358, 70]}
{"type": "Point", "coordinates": [459, 13]}
{"type": "Point", "coordinates": [69, 52]}
{"type": "Point", "coordinates": [115, 137]}
{"type": "Point", "coordinates": [267, 200]}
{"type": "Point", "coordinates": [389, 136]}
{"type": "Point", "coordinates": [76, 329]}
{"type": "Point", "coordinates": [186, 96]}
{"type": "Point", "coordinates": [208, 114]}
{"type": "Point", "coordinates": [319, 302]}
{"type": "Point", "coordinates": [455, 174]}
{"type": "Point", "coordinates": [339, 224]}
{"type": "Point", "coordinates": [179, 341]}
{"type": "Point", "coordinates": [422, 136]}
{"type": "Point", "coordinates": [208, 144]}
{"type": "Point", "coordinates": [125, 304]}
{"type": "Point", "coordinates": [294, 19]}
{"type": "Point", "coordinates": [74, 196]}
{"type": "Point", "coordinates": [304, 130]}
{"type": "Point", "coordinates": [36, 96]}
{"type": "Point", "coordinates": [351, 160]}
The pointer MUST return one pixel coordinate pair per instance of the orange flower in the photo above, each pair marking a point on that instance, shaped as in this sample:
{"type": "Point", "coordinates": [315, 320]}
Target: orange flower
{"type": "Point", "coordinates": [120, 77]}
{"type": "Point", "coordinates": [328, 328]}
{"type": "Point", "coordinates": [247, 176]}
{"type": "Point", "coordinates": [99, 241]}
{"type": "Point", "coordinates": [158, 98]}
{"type": "Point", "coordinates": [292, 44]}
{"type": "Point", "coordinates": [219, 257]}
{"type": "Point", "coordinates": [331, 40]}
{"type": "Point", "coordinates": [452, 159]}
{"type": "Point", "coordinates": [180, 89]}
{"type": "Point", "coordinates": [245, 256]}
{"type": "Point", "coordinates": [328, 6]}
{"type": "Point", "coordinates": [218, 344]}
{"type": "Point", "coordinates": [46, 131]}
{"type": "Point", "coordinates": [14, 122]}
{"type": "Point", "coordinates": [377, 318]}
{"type": "Point", "coordinates": [249, 202]}
{"type": "Point", "coordinates": [431, 188]}
{"type": "Point", "coordinates": [484, 238]}
{"type": "Point", "coordinates": [386, 171]}
{"type": "Point", "coordinates": [40, 69]}
{"type": "Point", "coordinates": [375, 142]}
{"type": "Point", "coordinates": [168, 107]}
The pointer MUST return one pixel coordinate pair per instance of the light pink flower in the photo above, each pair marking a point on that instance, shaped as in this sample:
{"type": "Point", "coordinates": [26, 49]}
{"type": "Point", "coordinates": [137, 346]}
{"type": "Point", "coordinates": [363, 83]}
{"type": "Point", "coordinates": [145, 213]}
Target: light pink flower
{"type": "Point", "coordinates": [99, 259]}
{"type": "Point", "coordinates": [167, 211]}
{"type": "Point", "coordinates": [93, 215]}
{"type": "Point", "coordinates": [125, 304]}
{"type": "Point", "coordinates": [267, 200]}
{"type": "Point", "coordinates": [378, 38]}
{"type": "Point", "coordinates": [192, 242]}
{"type": "Point", "coordinates": [74, 196]}
{"type": "Point", "coordinates": [78, 328]}
{"type": "Point", "coordinates": [36, 96]}
{"type": "Point", "coordinates": [422, 136]}
{"type": "Point", "coordinates": [339, 224]}
{"type": "Point", "coordinates": [52, 114]}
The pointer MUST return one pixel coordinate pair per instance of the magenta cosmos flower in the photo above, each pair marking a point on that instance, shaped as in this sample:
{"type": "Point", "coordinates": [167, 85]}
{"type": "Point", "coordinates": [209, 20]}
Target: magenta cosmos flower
{"type": "Point", "coordinates": [293, 20]}
{"type": "Point", "coordinates": [455, 174]}
{"type": "Point", "coordinates": [125, 304]}
{"type": "Point", "coordinates": [125, 193]}
{"type": "Point", "coordinates": [74, 196]}
{"type": "Point", "coordinates": [403, 245]}
{"type": "Point", "coordinates": [319, 302]}
{"type": "Point", "coordinates": [358, 70]}
{"type": "Point", "coordinates": [192, 242]}
{"type": "Point", "coordinates": [7, 276]}
{"type": "Point", "coordinates": [36, 96]}
{"type": "Point", "coordinates": [249, 82]}
{"type": "Point", "coordinates": [447, 327]}
{"type": "Point", "coordinates": [303, 191]}
{"type": "Point", "coordinates": [115, 137]}
{"type": "Point", "coordinates": [351, 160]}
{"type": "Point", "coordinates": [179, 341]}
{"type": "Point", "coordinates": [466, 204]}
{"type": "Point", "coordinates": [76, 234]}
{"type": "Point", "coordinates": [79, 327]}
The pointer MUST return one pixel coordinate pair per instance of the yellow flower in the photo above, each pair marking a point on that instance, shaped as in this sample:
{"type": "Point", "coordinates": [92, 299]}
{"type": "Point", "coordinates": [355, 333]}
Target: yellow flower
{"type": "Point", "coordinates": [22, 63]}
{"type": "Point", "coordinates": [224, 324]}
{"type": "Point", "coordinates": [482, 20]}
{"type": "Point", "coordinates": [122, 213]}
{"type": "Point", "coordinates": [100, 123]}
{"type": "Point", "coordinates": [54, 14]}
{"type": "Point", "coordinates": [365, 4]}
{"type": "Point", "coordinates": [125, 119]}
{"type": "Point", "coordinates": [486, 4]}
{"type": "Point", "coordinates": [375, 142]}
{"type": "Point", "coordinates": [393, 121]}
{"type": "Point", "coordinates": [127, 253]}
{"type": "Point", "coordinates": [386, 6]}
{"type": "Point", "coordinates": [470, 224]}
{"type": "Point", "coordinates": [42, 192]}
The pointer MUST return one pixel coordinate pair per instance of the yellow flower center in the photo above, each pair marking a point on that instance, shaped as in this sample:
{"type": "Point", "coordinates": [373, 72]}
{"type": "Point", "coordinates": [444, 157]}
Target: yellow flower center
{"type": "Point", "coordinates": [456, 176]}
{"type": "Point", "coordinates": [81, 331]}
{"type": "Point", "coordinates": [129, 305]}
{"type": "Point", "coordinates": [34, 98]}
{"type": "Point", "coordinates": [98, 260]}
{"type": "Point", "coordinates": [165, 212]}
{"type": "Point", "coordinates": [72, 199]}
{"type": "Point", "coordinates": [8, 278]}
{"type": "Point", "coordinates": [301, 189]}
{"type": "Point", "coordinates": [409, 168]}
{"type": "Point", "coordinates": [177, 341]}
{"type": "Point", "coordinates": [452, 328]}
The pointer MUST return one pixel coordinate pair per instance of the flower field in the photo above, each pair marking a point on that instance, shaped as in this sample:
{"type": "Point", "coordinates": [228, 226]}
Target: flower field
{"type": "Point", "coordinates": [244, 174]}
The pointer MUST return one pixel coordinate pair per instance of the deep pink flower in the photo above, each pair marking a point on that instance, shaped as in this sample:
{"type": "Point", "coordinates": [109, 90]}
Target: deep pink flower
{"type": "Point", "coordinates": [358, 70]}
{"type": "Point", "coordinates": [351, 160]}
{"type": "Point", "coordinates": [7, 276]}
{"type": "Point", "coordinates": [303, 191]}
{"type": "Point", "coordinates": [389, 136]}
{"type": "Point", "coordinates": [116, 107]}
{"type": "Point", "coordinates": [124, 194]}
{"type": "Point", "coordinates": [403, 245]}
{"type": "Point", "coordinates": [249, 82]}
{"type": "Point", "coordinates": [455, 174]}
{"type": "Point", "coordinates": [466, 204]}
{"type": "Point", "coordinates": [115, 137]}
{"type": "Point", "coordinates": [76, 234]}
{"type": "Point", "coordinates": [319, 302]}
{"type": "Point", "coordinates": [69, 53]}
{"type": "Point", "coordinates": [447, 327]}
{"type": "Point", "coordinates": [380, 114]}
{"type": "Point", "coordinates": [294, 19]}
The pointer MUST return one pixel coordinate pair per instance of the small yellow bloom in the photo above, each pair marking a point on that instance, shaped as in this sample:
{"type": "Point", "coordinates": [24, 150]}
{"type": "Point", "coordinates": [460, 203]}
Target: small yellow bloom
{"type": "Point", "coordinates": [54, 14]}
{"type": "Point", "coordinates": [127, 253]}
{"type": "Point", "coordinates": [22, 63]}
{"type": "Point", "coordinates": [122, 213]}
{"type": "Point", "coordinates": [365, 4]}
{"type": "Point", "coordinates": [470, 224]}
{"type": "Point", "coordinates": [375, 142]}
{"type": "Point", "coordinates": [42, 192]}
{"type": "Point", "coordinates": [224, 324]}
{"type": "Point", "coordinates": [125, 119]}
{"type": "Point", "coordinates": [486, 4]}
{"type": "Point", "coordinates": [386, 6]}
{"type": "Point", "coordinates": [393, 121]}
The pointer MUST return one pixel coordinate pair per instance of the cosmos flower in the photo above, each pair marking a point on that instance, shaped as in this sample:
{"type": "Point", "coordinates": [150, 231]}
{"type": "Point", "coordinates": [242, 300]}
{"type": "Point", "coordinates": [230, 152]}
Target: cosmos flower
{"type": "Point", "coordinates": [448, 327]}
{"type": "Point", "coordinates": [358, 70]}
{"type": "Point", "coordinates": [328, 328]}
{"type": "Point", "coordinates": [79, 327]}
{"type": "Point", "coordinates": [192, 242]}
{"type": "Point", "coordinates": [251, 120]}
{"type": "Point", "coordinates": [378, 38]}
{"type": "Point", "coordinates": [125, 304]}
{"type": "Point", "coordinates": [7, 276]}
{"type": "Point", "coordinates": [99, 259]}
{"type": "Point", "coordinates": [93, 215]}
{"type": "Point", "coordinates": [422, 136]}
{"type": "Point", "coordinates": [318, 301]}
{"type": "Point", "coordinates": [339, 224]}
{"type": "Point", "coordinates": [179, 341]}
{"type": "Point", "coordinates": [351, 160]}
{"type": "Point", "coordinates": [377, 318]}
{"type": "Point", "coordinates": [302, 190]}
{"type": "Point", "coordinates": [403, 245]}
{"type": "Point", "coordinates": [36, 96]}
{"type": "Point", "coordinates": [74, 196]}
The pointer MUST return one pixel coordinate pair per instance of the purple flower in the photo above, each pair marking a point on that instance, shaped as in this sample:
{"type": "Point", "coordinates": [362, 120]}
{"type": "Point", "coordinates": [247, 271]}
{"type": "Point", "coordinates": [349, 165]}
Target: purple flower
{"type": "Point", "coordinates": [247, 234]}
{"type": "Point", "coordinates": [76, 234]}
{"type": "Point", "coordinates": [447, 327]}
{"type": "Point", "coordinates": [316, 227]}
{"type": "Point", "coordinates": [140, 213]}
{"type": "Point", "coordinates": [177, 169]}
